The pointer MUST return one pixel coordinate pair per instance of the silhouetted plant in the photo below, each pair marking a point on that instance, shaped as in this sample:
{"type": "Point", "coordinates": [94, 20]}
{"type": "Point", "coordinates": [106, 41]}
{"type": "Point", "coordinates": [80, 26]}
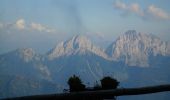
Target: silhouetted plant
{"type": "Point", "coordinates": [109, 83]}
{"type": "Point", "coordinates": [75, 84]}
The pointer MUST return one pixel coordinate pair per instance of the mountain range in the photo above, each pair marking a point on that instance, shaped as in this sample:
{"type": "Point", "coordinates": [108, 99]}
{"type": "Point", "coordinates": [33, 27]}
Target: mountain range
{"type": "Point", "coordinates": [132, 56]}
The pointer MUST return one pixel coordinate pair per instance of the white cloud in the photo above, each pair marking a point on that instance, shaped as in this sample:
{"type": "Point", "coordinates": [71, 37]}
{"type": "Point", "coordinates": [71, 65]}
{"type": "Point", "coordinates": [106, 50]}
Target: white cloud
{"type": "Point", "coordinates": [157, 12]}
{"type": "Point", "coordinates": [20, 24]}
{"type": "Point", "coordinates": [150, 12]}
{"type": "Point", "coordinates": [136, 9]}
{"type": "Point", "coordinates": [120, 5]}
{"type": "Point", "coordinates": [133, 8]}
{"type": "Point", "coordinates": [39, 27]}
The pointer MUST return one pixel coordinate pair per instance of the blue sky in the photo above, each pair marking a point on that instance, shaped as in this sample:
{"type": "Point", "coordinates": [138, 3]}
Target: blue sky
{"type": "Point", "coordinates": [40, 24]}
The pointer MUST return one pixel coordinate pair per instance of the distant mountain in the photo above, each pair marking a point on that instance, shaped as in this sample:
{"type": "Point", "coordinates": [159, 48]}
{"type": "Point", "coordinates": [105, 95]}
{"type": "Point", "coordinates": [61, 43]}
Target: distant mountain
{"type": "Point", "coordinates": [79, 56]}
{"type": "Point", "coordinates": [25, 62]}
{"type": "Point", "coordinates": [77, 45]}
{"type": "Point", "coordinates": [23, 73]}
{"type": "Point", "coordinates": [135, 49]}
{"type": "Point", "coordinates": [48, 73]}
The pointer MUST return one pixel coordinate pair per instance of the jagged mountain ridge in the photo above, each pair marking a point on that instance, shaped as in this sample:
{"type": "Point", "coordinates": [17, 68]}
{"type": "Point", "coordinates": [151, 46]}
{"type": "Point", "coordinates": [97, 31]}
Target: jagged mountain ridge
{"type": "Point", "coordinates": [135, 49]}
{"type": "Point", "coordinates": [78, 44]}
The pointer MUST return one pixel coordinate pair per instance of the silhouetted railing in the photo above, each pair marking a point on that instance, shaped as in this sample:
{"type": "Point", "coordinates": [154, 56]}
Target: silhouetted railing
{"type": "Point", "coordinates": [98, 95]}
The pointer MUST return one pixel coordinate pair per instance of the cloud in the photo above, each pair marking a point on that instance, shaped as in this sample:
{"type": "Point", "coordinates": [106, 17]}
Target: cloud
{"type": "Point", "coordinates": [39, 27]}
{"type": "Point", "coordinates": [120, 5]}
{"type": "Point", "coordinates": [148, 13]}
{"type": "Point", "coordinates": [135, 8]}
{"type": "Point", "coordinates": [157, 12]}
{"type": "Point", "coordinates": [20, 24]}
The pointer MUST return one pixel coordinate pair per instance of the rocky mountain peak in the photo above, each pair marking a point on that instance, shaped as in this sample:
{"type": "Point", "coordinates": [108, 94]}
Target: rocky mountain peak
{"type": "Point", "coordinates": [135, 48]}
{"type": "Point", "coordinates": [78, 42]}
{"type": "Point", "coordinates": [131, 34]}
{"type": "Point", "coordinates": [76, 45]}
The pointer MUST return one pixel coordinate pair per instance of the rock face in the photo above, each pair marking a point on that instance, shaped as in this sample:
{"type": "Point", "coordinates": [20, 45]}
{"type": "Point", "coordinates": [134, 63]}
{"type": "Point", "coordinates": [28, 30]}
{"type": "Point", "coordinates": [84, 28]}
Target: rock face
{"type": "Point", "coordinates": [27, 54]}
{"type": "Point", "coordinates": [76, 45]}
{"type": "Point", "coordinates": [135, 49]}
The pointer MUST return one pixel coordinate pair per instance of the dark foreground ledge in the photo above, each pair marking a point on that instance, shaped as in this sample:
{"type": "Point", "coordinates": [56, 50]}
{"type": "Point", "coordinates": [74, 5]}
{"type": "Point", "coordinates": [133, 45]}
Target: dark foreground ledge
{"type": "Point", "coordinates": [101, 94]}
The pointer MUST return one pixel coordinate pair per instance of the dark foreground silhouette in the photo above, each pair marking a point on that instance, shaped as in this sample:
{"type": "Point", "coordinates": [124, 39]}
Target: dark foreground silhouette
{"type": "Point", "coordinates": [107, 83]}
{"type": "Point", "coordinates": [97, 95]}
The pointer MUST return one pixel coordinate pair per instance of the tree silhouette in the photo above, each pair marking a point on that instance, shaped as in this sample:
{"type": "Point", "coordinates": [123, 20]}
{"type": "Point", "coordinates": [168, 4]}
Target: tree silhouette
{"type": "Point", "coordinates": [75, 84]}
{"type": "Point", "coordinates": [109, 83]}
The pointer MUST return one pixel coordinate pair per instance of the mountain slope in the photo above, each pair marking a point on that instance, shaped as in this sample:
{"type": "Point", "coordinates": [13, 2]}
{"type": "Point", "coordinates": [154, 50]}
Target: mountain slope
{"type": "Point", "coordinates": [24, 62]}
{"type": "Point", "coordinates": [23, 73]}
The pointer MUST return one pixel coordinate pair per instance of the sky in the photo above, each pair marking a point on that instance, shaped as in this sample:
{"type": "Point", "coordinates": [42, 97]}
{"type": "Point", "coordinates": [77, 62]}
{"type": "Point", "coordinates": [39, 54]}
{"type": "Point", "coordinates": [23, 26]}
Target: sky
{"type": "Point", "coordinates": [41, 24]}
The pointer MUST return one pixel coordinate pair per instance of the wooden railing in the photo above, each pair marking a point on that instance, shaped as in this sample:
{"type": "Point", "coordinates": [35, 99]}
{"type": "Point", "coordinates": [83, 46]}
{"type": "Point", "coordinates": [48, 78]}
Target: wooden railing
{"type": "Point", "coordinates": [97, 95]}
